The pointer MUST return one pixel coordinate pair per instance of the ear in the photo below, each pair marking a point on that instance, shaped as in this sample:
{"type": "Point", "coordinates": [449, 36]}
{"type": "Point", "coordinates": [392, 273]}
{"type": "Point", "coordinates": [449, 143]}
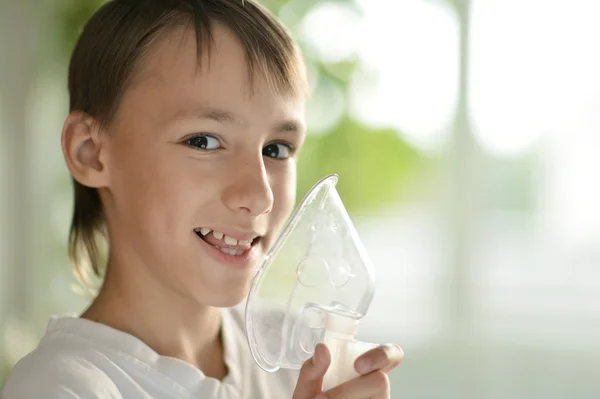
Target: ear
{"type": "Point", "coordinates": [84, 150]}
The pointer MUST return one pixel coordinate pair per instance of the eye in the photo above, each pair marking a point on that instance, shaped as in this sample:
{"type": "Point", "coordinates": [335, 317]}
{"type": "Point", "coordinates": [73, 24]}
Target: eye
{"type": "Point", "coordinates": [278, 151]}
{"type": "Point", "coordinates": [204, 142]}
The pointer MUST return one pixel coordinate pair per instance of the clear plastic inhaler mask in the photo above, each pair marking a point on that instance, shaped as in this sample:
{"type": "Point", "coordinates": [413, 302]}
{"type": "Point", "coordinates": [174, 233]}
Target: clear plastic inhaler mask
{"type": "Point", "coordinates": [313, 286]}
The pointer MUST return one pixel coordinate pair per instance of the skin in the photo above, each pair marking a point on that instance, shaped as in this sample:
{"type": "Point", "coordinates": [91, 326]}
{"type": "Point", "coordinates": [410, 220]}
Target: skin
{"type": "Point", "coordinates": [372, 383]}
{"type": "Point", "coordinates": [157, 184]}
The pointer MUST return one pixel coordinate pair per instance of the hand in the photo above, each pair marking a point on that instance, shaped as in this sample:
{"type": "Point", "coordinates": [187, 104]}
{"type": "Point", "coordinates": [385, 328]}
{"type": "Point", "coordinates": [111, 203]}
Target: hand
{"type": "Point", "coordinates": [373, 382]}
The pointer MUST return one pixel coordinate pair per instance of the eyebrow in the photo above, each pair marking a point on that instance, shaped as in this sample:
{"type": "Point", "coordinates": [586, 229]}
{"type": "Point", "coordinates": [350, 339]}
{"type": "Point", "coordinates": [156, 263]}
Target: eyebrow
{"type": "Point", "coordinates": [219, 116]}
{"type": "Point", "coordinates": [291, 126]}
{"type": "Point", "coordinates": [226, 117]}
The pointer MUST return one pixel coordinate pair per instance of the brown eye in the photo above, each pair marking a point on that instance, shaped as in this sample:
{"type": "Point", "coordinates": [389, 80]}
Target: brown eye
{"type": "Point", "coordinates": [278, 151]}
{"type": "Point", "coordinates": [203, 142]}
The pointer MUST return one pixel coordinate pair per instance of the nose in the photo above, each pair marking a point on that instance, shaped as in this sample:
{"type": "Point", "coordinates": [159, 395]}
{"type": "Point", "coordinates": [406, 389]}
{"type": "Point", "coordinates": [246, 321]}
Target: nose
{"type": "Point", "coordinates": [249, 190]}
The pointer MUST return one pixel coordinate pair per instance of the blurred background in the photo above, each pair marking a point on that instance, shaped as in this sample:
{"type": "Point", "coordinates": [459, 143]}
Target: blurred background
{"type": "Point", "coordinates": [467, 137]}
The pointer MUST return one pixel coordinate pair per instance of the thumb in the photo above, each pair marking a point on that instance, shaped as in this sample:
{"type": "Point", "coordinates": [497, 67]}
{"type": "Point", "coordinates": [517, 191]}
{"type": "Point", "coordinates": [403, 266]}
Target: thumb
{"type": "Point", "coordinates": [310, 381]}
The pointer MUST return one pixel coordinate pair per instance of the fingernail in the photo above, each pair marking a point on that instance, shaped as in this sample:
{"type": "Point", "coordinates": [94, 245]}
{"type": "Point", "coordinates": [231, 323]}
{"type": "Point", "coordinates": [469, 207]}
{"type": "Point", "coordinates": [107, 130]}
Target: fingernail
{"type": "Point", "coordinates": [363, 366]}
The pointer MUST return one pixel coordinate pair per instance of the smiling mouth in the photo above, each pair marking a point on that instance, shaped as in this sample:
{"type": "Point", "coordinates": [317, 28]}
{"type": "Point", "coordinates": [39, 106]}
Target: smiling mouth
{"type": "Point", "coordinates": [225, 243]}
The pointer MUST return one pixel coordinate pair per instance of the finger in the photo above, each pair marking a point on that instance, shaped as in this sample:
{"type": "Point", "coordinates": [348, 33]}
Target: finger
{"type": "Point", "coordinates": [310, 380]}
{"type": "Point", "coordinates": [384, 358]}
{"type": "Point", "coordinates": [373, 385]}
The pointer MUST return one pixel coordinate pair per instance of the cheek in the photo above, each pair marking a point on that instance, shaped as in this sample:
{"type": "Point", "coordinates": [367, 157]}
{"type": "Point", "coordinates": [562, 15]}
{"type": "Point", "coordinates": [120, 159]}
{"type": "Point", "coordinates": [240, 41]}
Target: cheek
{"type": "Point", "coordinates": [146, 186]}
{"type": "Point", "coordinates": [284, 193]}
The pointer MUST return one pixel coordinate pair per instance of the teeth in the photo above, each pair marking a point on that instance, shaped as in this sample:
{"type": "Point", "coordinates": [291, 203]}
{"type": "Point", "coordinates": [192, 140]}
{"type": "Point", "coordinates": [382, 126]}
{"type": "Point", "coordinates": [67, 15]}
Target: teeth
{"type": "Point", "coordinates": [231, 251]}
{"type": "Point", "coordinates": [204, 231]}
{"type": "Point", "coordinates": [218, 235]}
{"type": "Point", "coordinates": [230, 240]}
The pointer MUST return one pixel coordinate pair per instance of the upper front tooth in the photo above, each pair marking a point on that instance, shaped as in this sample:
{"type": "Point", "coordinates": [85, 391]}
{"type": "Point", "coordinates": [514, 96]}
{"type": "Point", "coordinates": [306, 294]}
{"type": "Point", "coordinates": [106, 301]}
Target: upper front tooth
{"type": "Point", "coordinates": [244, 242]}
{"type": "Point", "coordinates": [204, 231]}
{"type": "Point", "coordinates": [217, 235]}
{"type": "Point", "coordinates": [230, 240]}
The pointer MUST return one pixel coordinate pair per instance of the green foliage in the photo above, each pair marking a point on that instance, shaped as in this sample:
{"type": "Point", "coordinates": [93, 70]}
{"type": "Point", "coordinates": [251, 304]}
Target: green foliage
{"type": "Point", "coordinates": [373, 164]}
{"type": "Point", "coordinates": [73, 15]}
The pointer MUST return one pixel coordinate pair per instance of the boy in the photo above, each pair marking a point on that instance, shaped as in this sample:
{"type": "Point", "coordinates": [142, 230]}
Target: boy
{"type": "Point", "coordinates": [186, 118]}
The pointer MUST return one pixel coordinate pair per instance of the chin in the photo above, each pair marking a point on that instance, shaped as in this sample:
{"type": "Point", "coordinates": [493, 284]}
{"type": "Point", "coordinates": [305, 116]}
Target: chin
{"type": "Point", "coordinates": [228, 300]}
{"type": "Point", "coordinates": [225, 295]}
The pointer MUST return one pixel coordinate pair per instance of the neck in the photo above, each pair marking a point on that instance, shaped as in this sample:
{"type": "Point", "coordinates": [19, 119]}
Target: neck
{"type": "Point", "coordinates": [174, 326]}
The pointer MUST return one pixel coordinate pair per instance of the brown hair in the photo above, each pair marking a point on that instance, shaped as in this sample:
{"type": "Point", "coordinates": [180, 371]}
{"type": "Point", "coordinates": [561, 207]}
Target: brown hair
{"type": "Point", "coordinates": [113, 44]}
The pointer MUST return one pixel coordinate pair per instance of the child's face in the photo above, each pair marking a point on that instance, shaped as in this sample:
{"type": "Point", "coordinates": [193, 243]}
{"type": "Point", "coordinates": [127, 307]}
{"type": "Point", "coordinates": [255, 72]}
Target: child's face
{"type": "Point", "coordinates": [191, 149]}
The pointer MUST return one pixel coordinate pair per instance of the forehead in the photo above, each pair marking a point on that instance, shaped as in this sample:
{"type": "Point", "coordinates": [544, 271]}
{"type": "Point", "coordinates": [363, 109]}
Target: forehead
{"type": "Point", "coordinates": [176, 79]}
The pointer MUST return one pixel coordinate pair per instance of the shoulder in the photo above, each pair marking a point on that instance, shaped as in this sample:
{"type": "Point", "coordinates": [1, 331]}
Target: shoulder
{"type": "Point", "coordinates": [59, 368]}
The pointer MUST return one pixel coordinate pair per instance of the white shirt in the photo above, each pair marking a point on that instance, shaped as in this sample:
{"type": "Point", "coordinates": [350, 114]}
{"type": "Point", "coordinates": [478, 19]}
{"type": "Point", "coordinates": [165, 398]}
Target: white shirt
{"type": "Point", "coordinates": [78, 358]}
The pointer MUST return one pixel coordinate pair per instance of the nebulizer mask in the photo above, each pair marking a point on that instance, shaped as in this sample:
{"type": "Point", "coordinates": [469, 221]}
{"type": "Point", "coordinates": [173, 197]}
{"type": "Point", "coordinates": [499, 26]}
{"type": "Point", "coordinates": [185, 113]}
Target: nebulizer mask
{"type": "Point", "coordinates": [314, 285]}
